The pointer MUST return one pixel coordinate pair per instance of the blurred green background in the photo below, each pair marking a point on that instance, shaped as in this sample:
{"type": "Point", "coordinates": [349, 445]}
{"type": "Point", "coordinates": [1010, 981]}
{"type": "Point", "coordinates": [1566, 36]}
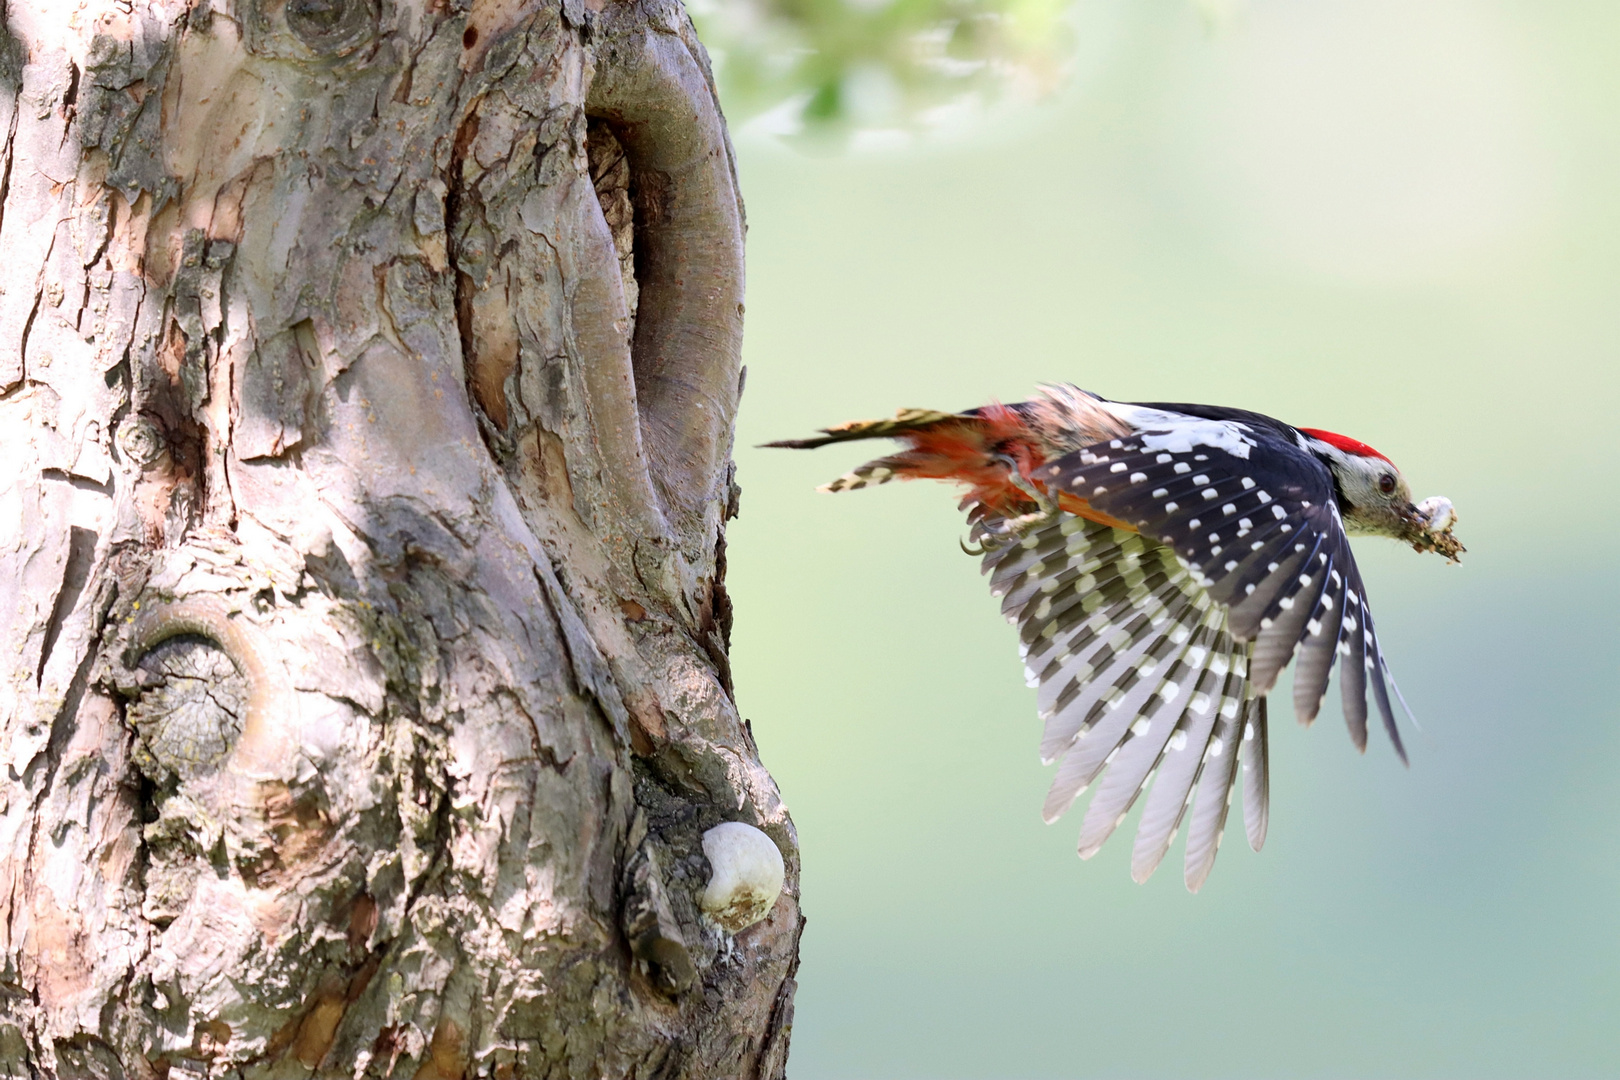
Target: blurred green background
{"type": "Point", "coordinates": [1398, 219]}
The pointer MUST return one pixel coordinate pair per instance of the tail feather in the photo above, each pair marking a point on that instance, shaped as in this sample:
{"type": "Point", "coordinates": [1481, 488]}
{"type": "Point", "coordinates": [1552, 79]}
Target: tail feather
{"type": "Point", "coordinates": [977, 448]}
{"type": "Point", "coordinates": [878, 471]}
{"type": "Point", "coordinates": [903, 421]}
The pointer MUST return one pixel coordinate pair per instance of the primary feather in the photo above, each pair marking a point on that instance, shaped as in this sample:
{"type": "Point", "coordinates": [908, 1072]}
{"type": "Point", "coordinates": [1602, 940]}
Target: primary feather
{"type": "Point", "coordinates": [1163, 564]}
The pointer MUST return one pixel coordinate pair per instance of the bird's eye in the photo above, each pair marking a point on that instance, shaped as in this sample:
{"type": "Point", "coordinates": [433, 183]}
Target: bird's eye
{"type": "Point", "coordinates": [1386, 483]}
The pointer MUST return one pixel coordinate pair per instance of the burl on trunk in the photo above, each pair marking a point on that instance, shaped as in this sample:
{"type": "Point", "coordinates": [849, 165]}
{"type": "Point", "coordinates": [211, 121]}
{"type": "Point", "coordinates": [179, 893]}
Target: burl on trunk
{"type": "Point", "coordinates": [367, 378]}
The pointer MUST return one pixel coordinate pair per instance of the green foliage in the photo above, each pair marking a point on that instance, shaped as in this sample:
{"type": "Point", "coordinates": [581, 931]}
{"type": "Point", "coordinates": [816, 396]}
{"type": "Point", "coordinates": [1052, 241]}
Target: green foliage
{"type": "Point", "coordinates": [830, 66]}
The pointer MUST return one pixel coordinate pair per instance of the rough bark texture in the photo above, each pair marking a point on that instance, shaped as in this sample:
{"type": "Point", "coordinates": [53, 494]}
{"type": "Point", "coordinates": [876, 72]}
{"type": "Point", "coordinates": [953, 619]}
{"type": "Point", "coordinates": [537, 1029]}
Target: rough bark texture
{"type": "Point", "coordinates": [367, 376]}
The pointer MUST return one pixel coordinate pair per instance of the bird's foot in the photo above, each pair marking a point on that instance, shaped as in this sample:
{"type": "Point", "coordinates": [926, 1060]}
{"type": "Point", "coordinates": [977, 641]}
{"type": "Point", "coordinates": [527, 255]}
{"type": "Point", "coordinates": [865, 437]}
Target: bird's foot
{"type": "Point", "coordinates": [1012, 530]}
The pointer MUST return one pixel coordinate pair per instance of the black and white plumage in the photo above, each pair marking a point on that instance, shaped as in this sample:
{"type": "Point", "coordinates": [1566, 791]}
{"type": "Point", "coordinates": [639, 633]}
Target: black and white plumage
{"type": "Point", "coordinates": [1163, 564]}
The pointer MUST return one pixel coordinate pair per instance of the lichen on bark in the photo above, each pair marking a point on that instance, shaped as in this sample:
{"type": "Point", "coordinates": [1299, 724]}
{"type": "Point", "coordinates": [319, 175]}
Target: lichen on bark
{"type": "Point", "coordinates": [367, 379]}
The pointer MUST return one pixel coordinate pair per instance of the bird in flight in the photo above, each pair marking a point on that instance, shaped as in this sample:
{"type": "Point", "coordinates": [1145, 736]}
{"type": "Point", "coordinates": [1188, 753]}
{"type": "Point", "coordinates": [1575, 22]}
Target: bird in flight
{"type": "Point", "coordinates": [1163, 563]}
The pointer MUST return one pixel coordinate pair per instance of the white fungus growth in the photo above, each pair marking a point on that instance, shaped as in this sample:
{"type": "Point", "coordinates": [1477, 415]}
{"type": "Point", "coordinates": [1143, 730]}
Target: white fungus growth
{"type": "Point", "coordinates": [746, 876]}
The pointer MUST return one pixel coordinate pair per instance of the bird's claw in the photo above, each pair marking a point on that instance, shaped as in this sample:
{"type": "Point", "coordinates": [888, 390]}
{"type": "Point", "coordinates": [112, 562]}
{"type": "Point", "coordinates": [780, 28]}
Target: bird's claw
{"type": "Point", "coordinates": [1012, 530]}
{"type": "Point", "coordinates": [1045, 504]}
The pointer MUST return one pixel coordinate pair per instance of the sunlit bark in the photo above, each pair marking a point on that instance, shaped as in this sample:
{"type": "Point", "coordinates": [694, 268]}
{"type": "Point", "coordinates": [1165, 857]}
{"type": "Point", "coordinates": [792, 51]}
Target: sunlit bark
{"type": "Point", "coordinates": [367, 467]}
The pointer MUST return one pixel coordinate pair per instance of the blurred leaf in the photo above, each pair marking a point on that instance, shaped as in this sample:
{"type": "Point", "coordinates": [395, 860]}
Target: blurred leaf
{"type": "Point", "coordinates": [828, 67]}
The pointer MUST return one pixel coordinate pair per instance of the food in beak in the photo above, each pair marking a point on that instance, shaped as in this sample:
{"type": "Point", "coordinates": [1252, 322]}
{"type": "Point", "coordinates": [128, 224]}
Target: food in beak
{"type": "Point", "coordinates": [1433, 519]}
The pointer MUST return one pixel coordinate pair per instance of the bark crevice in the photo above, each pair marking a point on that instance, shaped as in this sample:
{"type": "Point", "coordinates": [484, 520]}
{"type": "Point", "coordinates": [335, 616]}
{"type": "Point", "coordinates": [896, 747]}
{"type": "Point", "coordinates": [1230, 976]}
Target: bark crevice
{"type": "Point", "coordinates": [370, 695]}
{"type": "Point", "coordinates": [653, 89]}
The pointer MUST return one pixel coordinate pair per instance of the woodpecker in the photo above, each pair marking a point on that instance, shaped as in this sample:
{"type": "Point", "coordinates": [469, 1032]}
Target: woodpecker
{"type": "Point", "coordinates": [1163, 563]}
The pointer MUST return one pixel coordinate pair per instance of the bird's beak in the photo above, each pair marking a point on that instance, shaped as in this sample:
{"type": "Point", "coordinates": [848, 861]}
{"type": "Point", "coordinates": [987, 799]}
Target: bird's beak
{"type": "Point", "coordinates": [1429, 525]}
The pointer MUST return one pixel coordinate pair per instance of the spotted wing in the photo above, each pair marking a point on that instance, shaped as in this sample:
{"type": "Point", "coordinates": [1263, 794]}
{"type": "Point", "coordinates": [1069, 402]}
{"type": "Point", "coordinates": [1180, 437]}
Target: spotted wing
{"type": "Point", "coordinates": [1138, 676]}
{"type": "Point", "coordinates": [1266, 544]}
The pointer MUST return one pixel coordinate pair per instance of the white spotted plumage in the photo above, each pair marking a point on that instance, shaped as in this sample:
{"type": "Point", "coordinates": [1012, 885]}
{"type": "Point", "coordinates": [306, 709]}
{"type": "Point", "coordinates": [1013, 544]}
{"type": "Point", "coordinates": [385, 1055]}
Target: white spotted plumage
{"type": "Point", "coordinates": [1137, 674]}
{"type": "Point", "coordinates": [1163, 564]}
{"type": "Point", "coordinates": [1156, 647]}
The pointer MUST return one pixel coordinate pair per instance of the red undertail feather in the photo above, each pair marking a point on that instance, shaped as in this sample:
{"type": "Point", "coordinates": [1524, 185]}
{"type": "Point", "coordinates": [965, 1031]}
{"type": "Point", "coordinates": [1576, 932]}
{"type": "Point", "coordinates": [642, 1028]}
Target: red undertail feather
{"type": "Point", "coordinates": [971, 449]}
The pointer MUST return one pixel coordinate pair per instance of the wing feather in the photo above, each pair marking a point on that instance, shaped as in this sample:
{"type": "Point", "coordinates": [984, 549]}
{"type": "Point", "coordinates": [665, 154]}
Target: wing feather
{"type": "Point", "coordinates": [1353, 668]}
{"type": "Point", "coordinates": [1074, 702]}
{"type": "Point", "coordinates": [1284, 620]}
{"type": "Point", "coordinates": [1115, 708]}
{"type": "Point", "coordinates": [1319, 645]}
{"type": "Point", "coordinates": [1256, 775]}
{"type": "Point", "coordinates": [1019, 570]}
{"type": "Point", "coordinates": [1213, 798]}
{"type": "Point", "coordinates": [1092, 601]}
{"type": "Point", "coordinates": [1183, 760]}
{"type": "Point", "coordinates": [1375, 668]}
{"type": "Point", "coordinates": [1153, 651]}
{"type": "Point", "coordinates": [1098, 660]}
{"type": "Point", "coordinates": [1145, 742]}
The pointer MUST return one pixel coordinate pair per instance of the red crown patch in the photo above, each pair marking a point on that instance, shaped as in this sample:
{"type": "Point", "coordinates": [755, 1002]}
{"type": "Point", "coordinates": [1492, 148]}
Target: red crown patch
{"type": "Point", "coordinates": [1345, 443]}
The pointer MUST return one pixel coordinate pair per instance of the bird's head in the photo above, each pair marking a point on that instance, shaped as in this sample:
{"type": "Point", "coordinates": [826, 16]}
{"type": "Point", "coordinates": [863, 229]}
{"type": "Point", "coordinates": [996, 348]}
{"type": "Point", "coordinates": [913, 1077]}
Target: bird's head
{"type": "Point", "coordinates": [1375, 500]}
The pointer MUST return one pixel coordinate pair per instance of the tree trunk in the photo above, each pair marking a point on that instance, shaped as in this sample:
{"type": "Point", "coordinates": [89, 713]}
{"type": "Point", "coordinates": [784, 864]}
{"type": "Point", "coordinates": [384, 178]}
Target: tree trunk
{"type": "Point", "coordinates": [367, 379]}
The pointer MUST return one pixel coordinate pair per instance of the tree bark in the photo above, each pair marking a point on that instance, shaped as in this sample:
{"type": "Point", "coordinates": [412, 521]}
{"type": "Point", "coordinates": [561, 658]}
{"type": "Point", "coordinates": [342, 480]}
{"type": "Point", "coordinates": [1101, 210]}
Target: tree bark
{"type": "Point", "coordinates": [367, 380]}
